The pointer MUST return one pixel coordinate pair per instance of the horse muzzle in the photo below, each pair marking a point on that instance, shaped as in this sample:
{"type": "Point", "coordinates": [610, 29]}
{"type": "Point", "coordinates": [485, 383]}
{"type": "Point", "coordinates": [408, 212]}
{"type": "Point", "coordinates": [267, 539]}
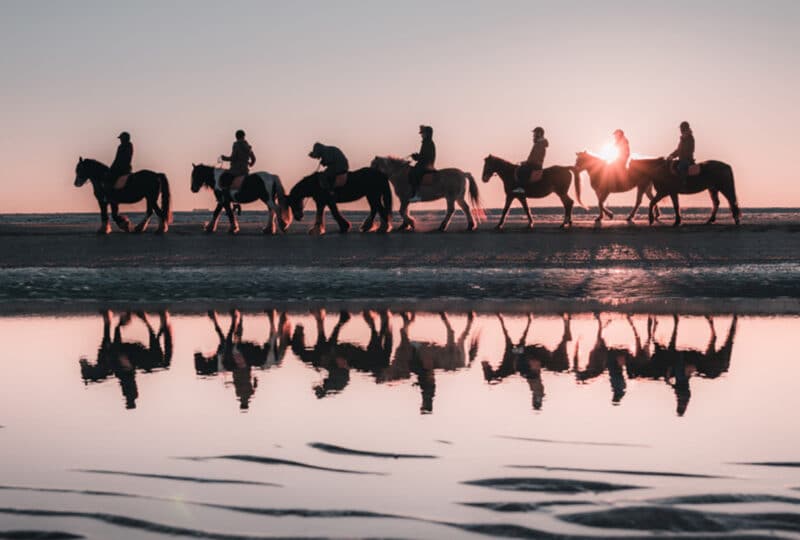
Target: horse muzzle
{"type": "Point", "coordinates": [79, 181]}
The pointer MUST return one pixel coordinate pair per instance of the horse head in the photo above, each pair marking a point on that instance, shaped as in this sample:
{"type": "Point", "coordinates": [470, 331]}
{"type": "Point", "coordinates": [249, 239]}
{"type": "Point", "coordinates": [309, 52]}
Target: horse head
{"type": "Point", "coordinates": [489, 169]}
{"type": "Point", "coordinates": [81, 172]}
{"type": "Point", "coordinates": [202, 175]}
{"type": "Point", "coordinates": [299, 192]}
{"type": "Point", "coordinates": [583, 160]}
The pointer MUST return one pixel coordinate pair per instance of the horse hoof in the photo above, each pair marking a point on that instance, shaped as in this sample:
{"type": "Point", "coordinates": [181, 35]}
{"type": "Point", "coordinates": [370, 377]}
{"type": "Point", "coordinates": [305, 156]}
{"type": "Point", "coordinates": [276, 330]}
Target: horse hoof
{"type": "Point", "coordinates": [104, 230]}
{"type": "Point", "coordinates": [162, 230]}
{"type": "Point", "coordinates": [233, 231]}
{"type": "Point", "coordinates": [268, 231]}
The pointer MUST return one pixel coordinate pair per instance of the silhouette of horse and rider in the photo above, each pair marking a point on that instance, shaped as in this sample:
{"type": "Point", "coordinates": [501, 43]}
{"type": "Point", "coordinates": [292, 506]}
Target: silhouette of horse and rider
{"type": "Point", "coordinates": [239, 357]}
{"type": "Point", "coordinates": [121, 359]}
{"type": "Point", "coordinates": [670, 176]}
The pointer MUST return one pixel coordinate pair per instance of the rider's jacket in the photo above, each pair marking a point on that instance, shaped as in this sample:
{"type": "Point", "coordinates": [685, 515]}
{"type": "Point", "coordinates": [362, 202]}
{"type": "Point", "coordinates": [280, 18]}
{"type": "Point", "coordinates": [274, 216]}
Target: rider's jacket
{"type": "Point", "coordinates": [426, 157]}
{"type": "Point", "coordinates": [536, 157]}
{"type": "Point", "coordinates": [123, 159]}
{"type": "Point", "coordinates": [685, 150]}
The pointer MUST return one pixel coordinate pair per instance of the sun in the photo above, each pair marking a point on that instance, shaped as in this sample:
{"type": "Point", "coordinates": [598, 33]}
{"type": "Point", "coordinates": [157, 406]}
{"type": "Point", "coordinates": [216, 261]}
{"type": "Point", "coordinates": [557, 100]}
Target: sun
{"type": "Point", "coordinates": [609, 152]}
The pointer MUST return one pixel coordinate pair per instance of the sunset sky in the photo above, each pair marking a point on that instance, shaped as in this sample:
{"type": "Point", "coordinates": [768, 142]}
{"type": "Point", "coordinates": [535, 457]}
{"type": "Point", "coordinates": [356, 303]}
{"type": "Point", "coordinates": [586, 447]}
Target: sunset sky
{"type": "Point", "coordinates": [182, 76]}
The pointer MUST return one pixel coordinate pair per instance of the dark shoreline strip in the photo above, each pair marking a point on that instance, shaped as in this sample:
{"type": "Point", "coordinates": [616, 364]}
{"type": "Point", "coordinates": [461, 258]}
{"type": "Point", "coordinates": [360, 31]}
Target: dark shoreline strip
{"type": "Point", "coordinates": [38, 535]}
{"type": "Point", "coordinates": [195, 479]}
{"type": "Point", "coordinates": [333, 449]}
{"type": "Point", "coordinates": [582, 443]}
{"type": "Point", "coordinates": [264, 460]}
{"type": "Point", "coordinates": [614, 471]}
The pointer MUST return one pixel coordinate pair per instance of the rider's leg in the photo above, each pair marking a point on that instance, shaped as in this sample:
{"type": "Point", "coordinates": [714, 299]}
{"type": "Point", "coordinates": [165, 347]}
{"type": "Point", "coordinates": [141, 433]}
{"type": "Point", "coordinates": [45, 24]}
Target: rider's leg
{"type": "Point", "coordinates": [414, 179]}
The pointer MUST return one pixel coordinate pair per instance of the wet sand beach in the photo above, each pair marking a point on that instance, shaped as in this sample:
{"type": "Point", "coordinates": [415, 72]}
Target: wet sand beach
{"type": "Point", "coordinates": [547, 246]}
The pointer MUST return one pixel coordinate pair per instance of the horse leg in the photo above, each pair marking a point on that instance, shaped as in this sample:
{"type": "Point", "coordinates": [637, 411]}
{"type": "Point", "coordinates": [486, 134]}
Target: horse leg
{"type": "Point", "coordinates": [386, 218]}
{"type": "Point", "coordinates": [105, 226]}
{"type": "Point", "coordinates": [735, 211]}
{"type": "Point", "coordinates": [408, 223]}
{"type": "Point", "coordinates": [650, 195]}
{"type": "Point", "coordinates": [344, 225]}
{"type": "Point", "coordinates": [319, 220]}
{"type": "Point", "coordinates": [653, 202]}
{"type": "Point", "coordinates": [715, 206]}
{"type": "Point", "coordinates": [639, 194]}
{"type": "Point", "coordinates": [676, 206]}
{"type": "Point", "coordinates": [234, 228]}
{"type": "Point", "coordinates": [568, 203]}
{"type": "Point", "coordinates": [600, 210]}
{"type": "Point", "coordinates": [211, 226]}
{"type": "Point", "coordinates": [471, 225]}
{"type": "Point", "coordinates": [504, 213]}
{"type": "Point", "coordinates": [370, 220]}
{"type": "Point", "coordinates": [524, 202]}
{"type": "Point", "coordinates": [142, 226]}
{"type": "Point", "coordinates": [274, 212]}
{"type": "Point", "coordinates": [121, 220]}
{"type": "Point", "coordinates": [451, 207]}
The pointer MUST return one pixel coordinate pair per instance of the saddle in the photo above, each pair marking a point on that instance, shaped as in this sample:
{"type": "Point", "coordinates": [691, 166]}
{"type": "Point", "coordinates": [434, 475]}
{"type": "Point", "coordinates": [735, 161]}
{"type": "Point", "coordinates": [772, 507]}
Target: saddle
{"type": "Point", "coordinates": [694, 169]}
{"type": "Point", "coordinates": [121, 182]}
{"type": "Point", "coordinates": [526, 174]}
{"type": "Point", "coordinates": [341, 180]}
{"type": "Point", "coordinates": [233, 183]}
{"type": "Point", "coordinates": [428, 177]}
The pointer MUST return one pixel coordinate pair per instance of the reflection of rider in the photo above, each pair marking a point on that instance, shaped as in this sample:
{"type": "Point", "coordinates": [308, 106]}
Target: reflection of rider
{"type": "Point", "coordinates": [333, 160]}
{"type": "Point", "coordinates": [535, 161]}
{"type": "Point", "coordinates": [684, 152]}
{"type": "Point", "coordinates": [241, 158]}
{"type": "Point", "coordinates": [425, 158]}
{"type": "Point", "coordinates": [122, 160]}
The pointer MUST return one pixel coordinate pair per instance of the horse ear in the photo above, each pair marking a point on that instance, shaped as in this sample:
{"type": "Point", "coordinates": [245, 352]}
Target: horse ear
{"type": "Point", "coordinates": [80, 159]}
{"type": "Point", "coordinates": [194, 166]}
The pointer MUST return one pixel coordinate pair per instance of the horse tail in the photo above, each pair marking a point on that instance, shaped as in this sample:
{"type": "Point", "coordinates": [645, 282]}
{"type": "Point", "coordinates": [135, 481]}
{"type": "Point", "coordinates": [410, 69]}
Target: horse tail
{"type": "Point", "coordinates": [387, 198]}
{"type": "Point", "coordinates": [577, 179]}
{"type": "Point", "coordinates": [166, 200]}
{"type": "Point", "coordinates": [732, 194]}
{"type": "Point", "coordinates": [475, 198]}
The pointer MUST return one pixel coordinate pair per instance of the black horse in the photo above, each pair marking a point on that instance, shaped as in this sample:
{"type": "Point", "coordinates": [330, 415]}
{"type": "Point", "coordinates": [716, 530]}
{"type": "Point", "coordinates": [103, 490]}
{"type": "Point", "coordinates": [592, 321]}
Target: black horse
{"type": "Point", "coordinates": [260, 186]}
{"type": "Point", "coordinates": [555, 179]}
{"type": "Point", "coordinates": [366, 182]}
{"type": "Point", "coordinates": [715, 176]}
{"type": "Point", "coordinates": [140, 185]}
{"type": "Point", "coordinates": [122, 358]}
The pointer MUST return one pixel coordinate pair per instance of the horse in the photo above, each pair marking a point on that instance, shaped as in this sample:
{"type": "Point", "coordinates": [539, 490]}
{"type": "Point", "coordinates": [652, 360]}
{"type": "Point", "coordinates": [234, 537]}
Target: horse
{"type": "Point", "coordinates": [259, 186]}
{"type": "Point", "coordinates": [366, 182]}
{"type": "Point", "coordinates": [555, 179]}
{"type": "Point", "coordinates": [714, 176]}
{"type": "Point", "coordinates": [140, 185]}
{"type": "Point", "coordinates": [451, 184]}
{"type": "Point", "coordinates": [605, 179]}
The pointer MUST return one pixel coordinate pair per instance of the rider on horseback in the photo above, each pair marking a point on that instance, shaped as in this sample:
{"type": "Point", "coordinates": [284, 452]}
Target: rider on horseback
{"type": "Point", "coordinates": [684, 152]}
{"type": "Point", "coordinates": [333, 160]}
{"type": "Point", "coordinates": [122, 160]}
{"type": "Point", "coordinates": [425, 158]}
{"type": "Point", "coordinates": [535, 161]}
{"type": "Point", "coordinates": [623, 147]}
{"type": "Point", "coordinates": [241, 158]}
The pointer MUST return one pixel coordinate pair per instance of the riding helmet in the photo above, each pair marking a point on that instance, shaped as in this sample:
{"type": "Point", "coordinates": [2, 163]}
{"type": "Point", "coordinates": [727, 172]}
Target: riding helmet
{"type": "Point", "coordinates": [684, 125]}
{"type": "Point", "coordinates": [240, 134]}
{"type": "Point", "coordinates": [125, 136]}
{"type": "Point", "coordinates": [538, 130]}
{"type": "Point", "coordinates": [426, 130]}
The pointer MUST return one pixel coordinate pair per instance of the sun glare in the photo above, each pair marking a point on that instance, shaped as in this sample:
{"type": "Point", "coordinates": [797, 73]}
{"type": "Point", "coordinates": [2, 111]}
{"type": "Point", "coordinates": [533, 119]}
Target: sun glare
{"type": "Point", "coordinates": [608, 153]}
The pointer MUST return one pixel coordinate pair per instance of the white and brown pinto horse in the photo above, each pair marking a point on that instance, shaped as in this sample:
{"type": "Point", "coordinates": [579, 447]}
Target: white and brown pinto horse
{"type": "Point", "coordinates": [259, 186]}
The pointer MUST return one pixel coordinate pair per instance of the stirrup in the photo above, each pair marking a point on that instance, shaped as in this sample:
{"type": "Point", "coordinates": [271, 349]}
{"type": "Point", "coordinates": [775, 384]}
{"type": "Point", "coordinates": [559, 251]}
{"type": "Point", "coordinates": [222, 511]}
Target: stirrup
{"type": "Point", "coordinates": [518, 190]}
{"type": "Point", "coordinates": [415, 198]}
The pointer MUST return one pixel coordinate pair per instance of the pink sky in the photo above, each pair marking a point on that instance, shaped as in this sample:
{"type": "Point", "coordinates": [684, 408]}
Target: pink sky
{"type": "Point", "coordinates": [183, 77]}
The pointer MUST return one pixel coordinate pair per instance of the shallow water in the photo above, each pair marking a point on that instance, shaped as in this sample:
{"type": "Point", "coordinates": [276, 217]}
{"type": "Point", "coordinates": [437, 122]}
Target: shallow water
{"type": "Point", "coordinates": [399, 424]}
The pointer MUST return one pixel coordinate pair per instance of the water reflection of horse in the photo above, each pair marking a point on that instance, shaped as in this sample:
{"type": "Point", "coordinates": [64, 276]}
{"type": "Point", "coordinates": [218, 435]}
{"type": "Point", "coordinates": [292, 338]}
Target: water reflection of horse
{"type": "Point", "coordinates": [529, 360]}
{"type": "Point", "coordinates": [239, 357]}
{"type": "Point", "coordinates": [121, 359]}
{"type": "Point", "coordinates": [338, 358]}
{"type": "Point", "coordinates": [424, 358]}
{"type": "Point", "coordinates": [656, 361]}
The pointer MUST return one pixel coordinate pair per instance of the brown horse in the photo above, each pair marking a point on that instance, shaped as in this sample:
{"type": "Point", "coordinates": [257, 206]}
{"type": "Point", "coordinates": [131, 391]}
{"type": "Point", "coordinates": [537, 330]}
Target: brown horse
{"type": "Point", "coordinates": [606, 179]}
{"type": "Point", "coordinates": [451, 184]}
{"type": "Point", "coordinates": [554, 180]}
{"type": "Point", "coordinates": [715, 176]}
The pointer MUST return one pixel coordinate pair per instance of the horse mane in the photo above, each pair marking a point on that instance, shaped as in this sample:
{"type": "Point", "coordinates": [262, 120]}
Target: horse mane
{"type": "Point", "coordinates": [397, 160]}
{"type": "Point", "coordinates": [501, 160]}
{"type": "Point", "coordinates": [94, 163]}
